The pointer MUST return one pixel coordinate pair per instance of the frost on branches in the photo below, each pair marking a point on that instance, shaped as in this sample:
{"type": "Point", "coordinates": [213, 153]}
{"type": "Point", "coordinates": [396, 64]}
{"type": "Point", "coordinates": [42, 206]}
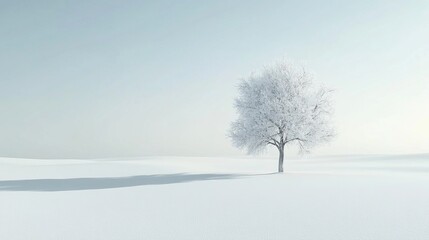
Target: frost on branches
{"type": "Point", "coordinates": [281, 106]}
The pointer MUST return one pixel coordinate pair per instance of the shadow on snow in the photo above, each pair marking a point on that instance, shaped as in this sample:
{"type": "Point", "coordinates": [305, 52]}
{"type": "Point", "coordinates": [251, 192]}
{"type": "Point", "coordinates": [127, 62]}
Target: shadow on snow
{"type": "Point", "coordinates": [74, 184]}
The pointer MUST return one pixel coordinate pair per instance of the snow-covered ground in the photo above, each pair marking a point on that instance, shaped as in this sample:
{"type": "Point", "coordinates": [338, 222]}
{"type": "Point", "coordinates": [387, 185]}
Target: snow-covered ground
{"type": "Point", "coordinates": [340, 197]}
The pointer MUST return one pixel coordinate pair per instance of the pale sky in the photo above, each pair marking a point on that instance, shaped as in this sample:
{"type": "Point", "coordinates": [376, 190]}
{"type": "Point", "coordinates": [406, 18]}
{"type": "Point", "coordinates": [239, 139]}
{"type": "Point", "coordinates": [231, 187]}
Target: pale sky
{"type": "Point", "coordinates": [89, 79]}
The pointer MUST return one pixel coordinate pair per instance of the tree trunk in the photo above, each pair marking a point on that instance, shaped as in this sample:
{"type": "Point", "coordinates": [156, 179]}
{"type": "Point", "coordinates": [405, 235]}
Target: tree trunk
{"type": "Point", "coordinates": [281, 156]}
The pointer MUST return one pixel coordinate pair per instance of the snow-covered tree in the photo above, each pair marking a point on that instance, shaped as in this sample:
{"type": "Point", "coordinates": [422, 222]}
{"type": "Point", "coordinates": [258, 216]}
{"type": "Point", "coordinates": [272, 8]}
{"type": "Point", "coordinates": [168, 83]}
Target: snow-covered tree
{"type": "Point", "coordinates": [281, 106]}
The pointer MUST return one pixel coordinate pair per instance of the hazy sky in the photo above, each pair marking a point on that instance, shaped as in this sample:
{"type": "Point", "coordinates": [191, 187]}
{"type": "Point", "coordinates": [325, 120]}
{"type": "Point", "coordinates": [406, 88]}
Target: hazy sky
{"type": "Point", "coordinates": [84, 79]}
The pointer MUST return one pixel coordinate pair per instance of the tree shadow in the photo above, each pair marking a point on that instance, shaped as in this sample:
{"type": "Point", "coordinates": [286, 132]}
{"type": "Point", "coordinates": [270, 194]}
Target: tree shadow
{"type": "Point", "coordinates": [76, 184]}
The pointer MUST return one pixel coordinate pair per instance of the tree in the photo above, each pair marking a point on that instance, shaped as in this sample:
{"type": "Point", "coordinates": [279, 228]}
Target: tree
{"type": "Point", "coordinates": [281, 106]}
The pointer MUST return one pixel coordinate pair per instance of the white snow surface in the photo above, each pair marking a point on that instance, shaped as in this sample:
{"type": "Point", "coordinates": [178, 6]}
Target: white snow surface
{"type": "Point", "coordinates": [340, 197]}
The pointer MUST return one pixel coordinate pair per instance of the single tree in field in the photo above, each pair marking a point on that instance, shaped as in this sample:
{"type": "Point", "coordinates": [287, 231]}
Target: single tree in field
{"type": "Point", "coordinates": [280, 106]}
